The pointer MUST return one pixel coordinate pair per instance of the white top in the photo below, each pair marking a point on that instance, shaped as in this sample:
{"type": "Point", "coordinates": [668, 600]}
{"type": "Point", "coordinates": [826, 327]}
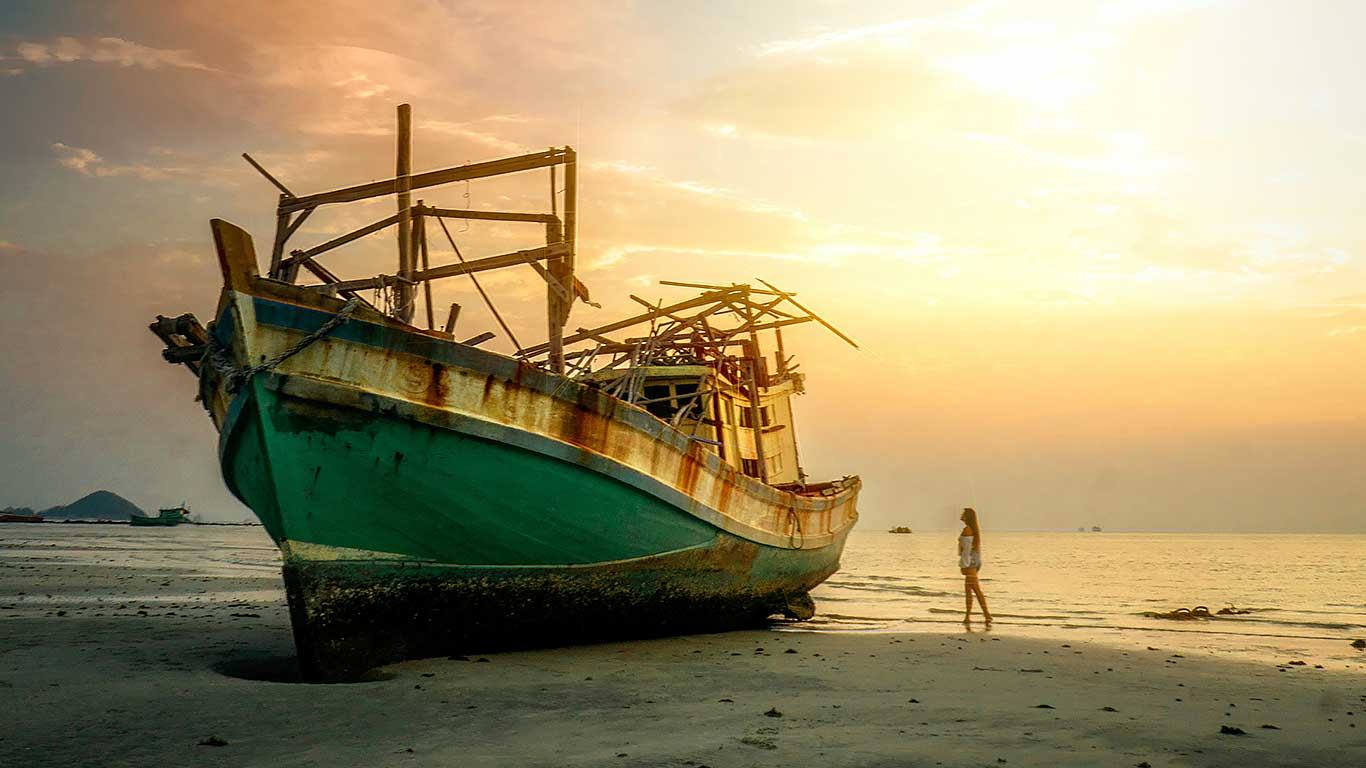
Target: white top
{"type": "Point", "coordinates": [967, 558]}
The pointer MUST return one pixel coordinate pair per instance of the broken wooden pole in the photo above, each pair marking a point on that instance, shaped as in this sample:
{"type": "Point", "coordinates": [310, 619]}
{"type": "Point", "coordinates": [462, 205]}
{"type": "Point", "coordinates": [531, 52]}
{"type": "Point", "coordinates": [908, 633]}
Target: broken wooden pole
{"type": "Point", "coordinates": [277, 252]}
{"type": "Point", "coordinates": [403, 292]}
{"type": "Point", "coordinates": [420, 245]}
{"type": "Point", "coordinates": [557, 302]}
{"type": "Point", "coordinates": [283, 189]}
{"type": "Point", "coordinates": [451, 317]}
{"type": "Point", "coordinates": [756, 410]}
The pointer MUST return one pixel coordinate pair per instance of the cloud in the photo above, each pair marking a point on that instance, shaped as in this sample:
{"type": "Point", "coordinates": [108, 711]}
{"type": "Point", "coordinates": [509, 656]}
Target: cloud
{"type": "Point", "coordinates": [107, 50]}
{"type": "Point", "coordinates": [866, 94]}
{"type": "Point", "coordinates": [900, 31]}
{"type": "Point", "coordinates": [469, 132]}
{"type": "Point", "coordinates": [87, 162]}
{"type": "Point", "coordinates": [1349, 330]}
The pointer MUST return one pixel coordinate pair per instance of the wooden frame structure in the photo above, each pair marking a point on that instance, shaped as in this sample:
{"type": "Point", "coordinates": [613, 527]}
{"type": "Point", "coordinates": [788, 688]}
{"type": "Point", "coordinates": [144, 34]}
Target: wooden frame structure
{"type": "Point", "coordinates": [410, 219]}
{"type": "Point", "coordinates": [701, 330]}
{"type": "Point", "coordinates": [717, 329]}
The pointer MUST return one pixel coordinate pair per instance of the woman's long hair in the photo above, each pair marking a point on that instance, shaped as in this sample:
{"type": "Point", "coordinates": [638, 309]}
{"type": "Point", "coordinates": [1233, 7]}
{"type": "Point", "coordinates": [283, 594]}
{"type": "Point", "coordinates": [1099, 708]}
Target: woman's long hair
{"type": "Point", "coordinates": [970, 518]}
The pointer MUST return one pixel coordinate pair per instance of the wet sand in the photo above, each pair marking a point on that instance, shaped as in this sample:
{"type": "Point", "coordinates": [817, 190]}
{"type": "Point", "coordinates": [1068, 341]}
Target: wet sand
{"type": "Point", "coordinates": [127, 650]}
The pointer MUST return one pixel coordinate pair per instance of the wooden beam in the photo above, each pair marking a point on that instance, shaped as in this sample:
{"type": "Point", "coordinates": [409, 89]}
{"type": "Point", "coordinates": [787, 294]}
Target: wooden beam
{"type": "Point", "coordinates": [450, 270]}
{"type": "Point", "coordinates": [550, 281]}
{"type": "Point", "coordinates": [430, 179]}
{"type": "Point", "coordinates": [492, 262]}
{"type": "Point", "coordinates": [460, 213]}
{"type": "Point", "coordinates": [403, 167]}
{"type": "Point", "coordinates": [475, 341]}
{"type": "Point", "coordinates": [300, 257]}
{"type": "Point", "coordinates": [696, 301]}
{"type": "Point", "coordinates": [482, 293]}
{"type": "Point", "coordinates": [451, 317]}
{"type": "Point", "coordinates": [277, 251]}
{"type": "Point", "coordinates": [813, 315]}
{"type": "Point", "coordinates": [420, 235]}
{"type": "Point", "coordinates": [283, 189]}
{"type": "Point", "coordinates": [732, 286]}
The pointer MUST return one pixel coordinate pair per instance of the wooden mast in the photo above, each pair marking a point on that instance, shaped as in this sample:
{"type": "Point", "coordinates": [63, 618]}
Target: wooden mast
{"type": "Point", "coordinates": [554, 234]}
{"type": "Point", "coordinates": [560, 295]}
{"type": "Point", "coordinates": [403, 291]}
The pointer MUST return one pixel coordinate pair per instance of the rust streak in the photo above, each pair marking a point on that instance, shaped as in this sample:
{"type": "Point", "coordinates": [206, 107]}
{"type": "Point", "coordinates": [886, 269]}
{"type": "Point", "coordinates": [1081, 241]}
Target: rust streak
{"type": "Point", "coordinates": [727, 488]}
{"type": "Point", "coordinates": [689, 469]}
{"type": "Point", "coordinates": [435, 393]}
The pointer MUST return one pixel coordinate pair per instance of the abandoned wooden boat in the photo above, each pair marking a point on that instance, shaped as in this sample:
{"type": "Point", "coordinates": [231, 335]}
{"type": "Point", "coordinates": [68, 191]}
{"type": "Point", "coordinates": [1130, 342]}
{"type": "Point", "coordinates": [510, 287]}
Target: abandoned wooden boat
{"type": "Point", "coordinates": [430, 496]}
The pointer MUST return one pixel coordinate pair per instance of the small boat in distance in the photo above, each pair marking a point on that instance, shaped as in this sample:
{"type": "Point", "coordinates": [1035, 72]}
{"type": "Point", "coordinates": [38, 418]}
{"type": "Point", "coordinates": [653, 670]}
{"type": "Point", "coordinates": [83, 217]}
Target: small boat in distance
{"type": "Point", "coordinates": [165, 517]}
{"type": "Point", "coordinates": [899, 529]}
{"type": "Point", "coordinates": [429, 497]}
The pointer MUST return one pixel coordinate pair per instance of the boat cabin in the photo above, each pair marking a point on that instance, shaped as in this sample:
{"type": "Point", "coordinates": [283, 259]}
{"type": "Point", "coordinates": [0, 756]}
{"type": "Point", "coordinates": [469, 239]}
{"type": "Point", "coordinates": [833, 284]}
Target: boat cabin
{"type": "Point", "coordinates": [749, 427]}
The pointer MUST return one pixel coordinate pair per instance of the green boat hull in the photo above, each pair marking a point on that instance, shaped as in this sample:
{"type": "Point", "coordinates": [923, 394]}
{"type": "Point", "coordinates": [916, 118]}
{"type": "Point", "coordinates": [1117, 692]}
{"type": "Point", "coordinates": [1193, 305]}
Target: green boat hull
{"type": "Point", "coordinates": [405, 539]}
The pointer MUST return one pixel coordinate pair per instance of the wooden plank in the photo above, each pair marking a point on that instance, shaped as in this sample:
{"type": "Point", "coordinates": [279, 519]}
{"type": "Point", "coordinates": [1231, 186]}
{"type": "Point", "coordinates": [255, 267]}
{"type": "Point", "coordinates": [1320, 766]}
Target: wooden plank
{"type": "Point", "coordinates": [491, 262]}
{"type": "Point", "coordinates": [299, 257]}
{"type": "Point", "coordinates": [813, 315]}
{"type": "Point", "coordinates": [277, 251]}
{"type": "Point", "coordinates": [460, 213]}
{"type": "Point", "coordinates": [429, 179]}
{"type": "Point", "coordinates": [475, 341]}
{"type": "Point", "coordinates": [283, 189]}
{"type": "Point", "coordinates": [551, 281]}
{"type": "Point", "coordinates": [451, 317]}
{"type": "Point", "coordinates": [449, 270]}
{"type": "Point", "coordinates": [731, 287]}
{"type": "Point", "coordinates": [696, 301]}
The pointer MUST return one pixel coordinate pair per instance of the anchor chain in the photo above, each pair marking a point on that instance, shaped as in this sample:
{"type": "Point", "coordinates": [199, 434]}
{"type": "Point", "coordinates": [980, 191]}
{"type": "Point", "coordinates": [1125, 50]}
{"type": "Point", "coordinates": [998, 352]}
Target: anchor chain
{"type": "Point", "coordinates": [216, 355]}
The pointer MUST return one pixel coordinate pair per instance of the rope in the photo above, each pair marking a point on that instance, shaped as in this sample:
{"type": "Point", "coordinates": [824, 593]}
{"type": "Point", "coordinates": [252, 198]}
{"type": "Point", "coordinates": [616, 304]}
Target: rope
{"type": "Point", "coordinates": [216, 355]}
{"type": "Point", "coordinates": [795, 521]}
{"type": "Point", "coordinates": [487, 301]}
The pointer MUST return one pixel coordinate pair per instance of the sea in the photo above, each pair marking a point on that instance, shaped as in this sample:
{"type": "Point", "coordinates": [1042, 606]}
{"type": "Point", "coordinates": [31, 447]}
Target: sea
{"type": "Point", "coordinates": [1305, 593]}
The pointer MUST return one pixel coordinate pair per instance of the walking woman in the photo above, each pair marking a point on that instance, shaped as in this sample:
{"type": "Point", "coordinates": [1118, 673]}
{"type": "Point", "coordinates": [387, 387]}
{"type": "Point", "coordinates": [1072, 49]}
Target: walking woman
{"type": "Point", "coordinates": [970, 562]}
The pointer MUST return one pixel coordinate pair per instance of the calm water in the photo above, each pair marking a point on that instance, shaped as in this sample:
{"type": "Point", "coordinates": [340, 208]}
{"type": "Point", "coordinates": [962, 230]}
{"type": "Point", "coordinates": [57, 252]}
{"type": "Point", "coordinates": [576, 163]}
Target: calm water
{"type": "Point", "coordinates": [1307, 592]}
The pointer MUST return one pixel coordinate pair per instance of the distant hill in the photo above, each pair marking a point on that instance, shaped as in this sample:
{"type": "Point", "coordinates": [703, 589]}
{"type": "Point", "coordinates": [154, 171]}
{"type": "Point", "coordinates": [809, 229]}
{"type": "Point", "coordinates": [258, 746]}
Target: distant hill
{"type": "Point", "coordinates": [100, 505]}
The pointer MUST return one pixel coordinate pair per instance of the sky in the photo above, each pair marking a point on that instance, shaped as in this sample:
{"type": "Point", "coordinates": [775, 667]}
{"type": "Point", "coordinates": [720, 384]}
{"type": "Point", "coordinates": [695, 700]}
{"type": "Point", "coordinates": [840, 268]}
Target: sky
{"type": "Point", "coordinates": [1104, 260]}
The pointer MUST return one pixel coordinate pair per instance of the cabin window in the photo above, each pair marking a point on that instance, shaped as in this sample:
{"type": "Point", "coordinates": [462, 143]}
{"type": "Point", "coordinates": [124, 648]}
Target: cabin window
{"type": "Point", "coordinates": [750, 467]}
{"type": "Point", "coordinates": [747, 417]}
{"type": "Point", "coordinates": [658, 400]}
{"type": "Point", "coordinates": [665, 399]}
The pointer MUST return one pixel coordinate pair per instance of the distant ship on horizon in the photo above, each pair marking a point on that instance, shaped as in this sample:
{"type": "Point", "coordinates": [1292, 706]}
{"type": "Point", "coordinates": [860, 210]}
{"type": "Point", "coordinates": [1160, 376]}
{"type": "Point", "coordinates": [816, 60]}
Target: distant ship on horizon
{"type": "Point", "coordinates": [165, 517]}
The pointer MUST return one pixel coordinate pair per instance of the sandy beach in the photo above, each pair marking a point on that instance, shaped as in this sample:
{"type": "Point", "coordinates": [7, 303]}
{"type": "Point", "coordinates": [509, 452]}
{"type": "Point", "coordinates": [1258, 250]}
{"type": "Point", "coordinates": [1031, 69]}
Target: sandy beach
{"type": "Point", "coordinates": [120, 651]}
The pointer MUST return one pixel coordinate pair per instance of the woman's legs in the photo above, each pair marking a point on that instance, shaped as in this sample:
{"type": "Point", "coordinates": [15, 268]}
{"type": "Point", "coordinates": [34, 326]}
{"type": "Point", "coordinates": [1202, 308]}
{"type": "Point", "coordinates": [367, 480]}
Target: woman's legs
{"type": "Point", "coordinates": [981, 598]}
{"type": "Point", "coordinates": [969, 584]}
